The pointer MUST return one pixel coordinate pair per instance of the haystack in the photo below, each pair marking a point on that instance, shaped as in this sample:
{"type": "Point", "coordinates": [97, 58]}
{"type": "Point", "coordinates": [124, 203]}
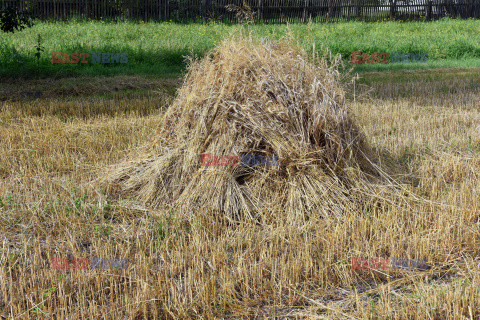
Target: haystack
{"type": "Point", "coordinates": [260, 97]}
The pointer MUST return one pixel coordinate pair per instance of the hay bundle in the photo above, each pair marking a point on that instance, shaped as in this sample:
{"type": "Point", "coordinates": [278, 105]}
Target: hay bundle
{"type": "Point", "coordinates": [253, 97]}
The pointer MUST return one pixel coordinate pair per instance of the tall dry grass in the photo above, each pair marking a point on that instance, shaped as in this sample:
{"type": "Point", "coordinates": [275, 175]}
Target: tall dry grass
{"type": "Point", "coordinates": [200, 267]}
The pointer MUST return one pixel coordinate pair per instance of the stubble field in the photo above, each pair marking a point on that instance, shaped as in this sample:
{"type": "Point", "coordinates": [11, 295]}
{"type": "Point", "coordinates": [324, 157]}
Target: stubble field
{"type": "Point", "coordinates": [425, 125]}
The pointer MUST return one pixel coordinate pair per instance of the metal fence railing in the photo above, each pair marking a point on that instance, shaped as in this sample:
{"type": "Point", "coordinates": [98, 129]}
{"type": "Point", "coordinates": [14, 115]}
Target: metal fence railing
{"type": "Point", "coordinates": [273, 11]}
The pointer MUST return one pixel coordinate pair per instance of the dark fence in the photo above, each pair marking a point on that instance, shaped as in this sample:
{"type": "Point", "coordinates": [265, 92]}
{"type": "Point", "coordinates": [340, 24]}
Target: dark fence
{"type": "Point", "coordinates": [270, 11]}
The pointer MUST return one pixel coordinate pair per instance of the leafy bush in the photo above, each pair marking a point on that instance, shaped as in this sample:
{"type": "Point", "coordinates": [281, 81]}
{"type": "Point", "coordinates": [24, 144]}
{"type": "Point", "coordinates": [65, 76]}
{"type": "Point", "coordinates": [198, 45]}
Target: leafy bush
{"type": "Point", "coordinates": [11, 19]}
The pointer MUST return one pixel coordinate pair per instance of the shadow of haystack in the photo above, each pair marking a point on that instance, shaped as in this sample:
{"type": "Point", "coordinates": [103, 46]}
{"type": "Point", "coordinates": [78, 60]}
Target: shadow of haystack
{"type": "Point", "coordinates": [250, 96]}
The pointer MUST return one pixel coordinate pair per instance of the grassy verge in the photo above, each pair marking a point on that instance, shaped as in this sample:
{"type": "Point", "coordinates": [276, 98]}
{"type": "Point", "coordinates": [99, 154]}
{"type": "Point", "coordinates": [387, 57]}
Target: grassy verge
{"type": "Point", "coordinates": [159, 48]}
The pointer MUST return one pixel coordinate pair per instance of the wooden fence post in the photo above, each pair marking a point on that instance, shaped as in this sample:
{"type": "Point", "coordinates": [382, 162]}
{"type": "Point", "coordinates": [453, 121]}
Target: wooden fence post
{"type": "Point", "coordinates": [393, 9]}
{"type": "Point", "coordinates": [359, 9]}
{"type": "Point", "coordinates": [165, 12]}
{"type": "Point", "coordinates": [260, 10]}
{"type": "Point", "coordinates": [305, 11]}
{"type": "Point", "coordinates": [428, 10]}
{"type": "Point", "coordinates": [206, 7]}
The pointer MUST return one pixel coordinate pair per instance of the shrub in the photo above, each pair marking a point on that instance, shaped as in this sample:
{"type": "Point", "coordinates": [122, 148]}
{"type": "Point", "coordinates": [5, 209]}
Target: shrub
{"type": "Point", "coordinates": [11, 19]}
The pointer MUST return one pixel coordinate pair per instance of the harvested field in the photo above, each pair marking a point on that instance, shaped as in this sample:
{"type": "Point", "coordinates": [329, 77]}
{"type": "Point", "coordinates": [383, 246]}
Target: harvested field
{"type": "Point", "coordinates": [422, 128]}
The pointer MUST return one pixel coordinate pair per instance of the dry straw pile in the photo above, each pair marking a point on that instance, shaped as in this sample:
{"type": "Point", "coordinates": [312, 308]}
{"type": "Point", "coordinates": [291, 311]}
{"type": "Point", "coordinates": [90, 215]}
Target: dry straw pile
{"type": "Point", "coordinates": [252, 96]}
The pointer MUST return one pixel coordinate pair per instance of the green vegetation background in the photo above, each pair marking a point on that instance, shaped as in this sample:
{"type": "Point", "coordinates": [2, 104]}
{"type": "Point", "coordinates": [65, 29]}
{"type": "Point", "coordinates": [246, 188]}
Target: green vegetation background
{"type": "Point", "coordinates": [159, 48]}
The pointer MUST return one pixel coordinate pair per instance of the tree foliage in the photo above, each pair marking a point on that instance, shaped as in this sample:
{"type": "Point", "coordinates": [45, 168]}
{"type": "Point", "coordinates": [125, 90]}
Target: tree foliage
{"type": "Point", "coordinates": [12, 19]}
